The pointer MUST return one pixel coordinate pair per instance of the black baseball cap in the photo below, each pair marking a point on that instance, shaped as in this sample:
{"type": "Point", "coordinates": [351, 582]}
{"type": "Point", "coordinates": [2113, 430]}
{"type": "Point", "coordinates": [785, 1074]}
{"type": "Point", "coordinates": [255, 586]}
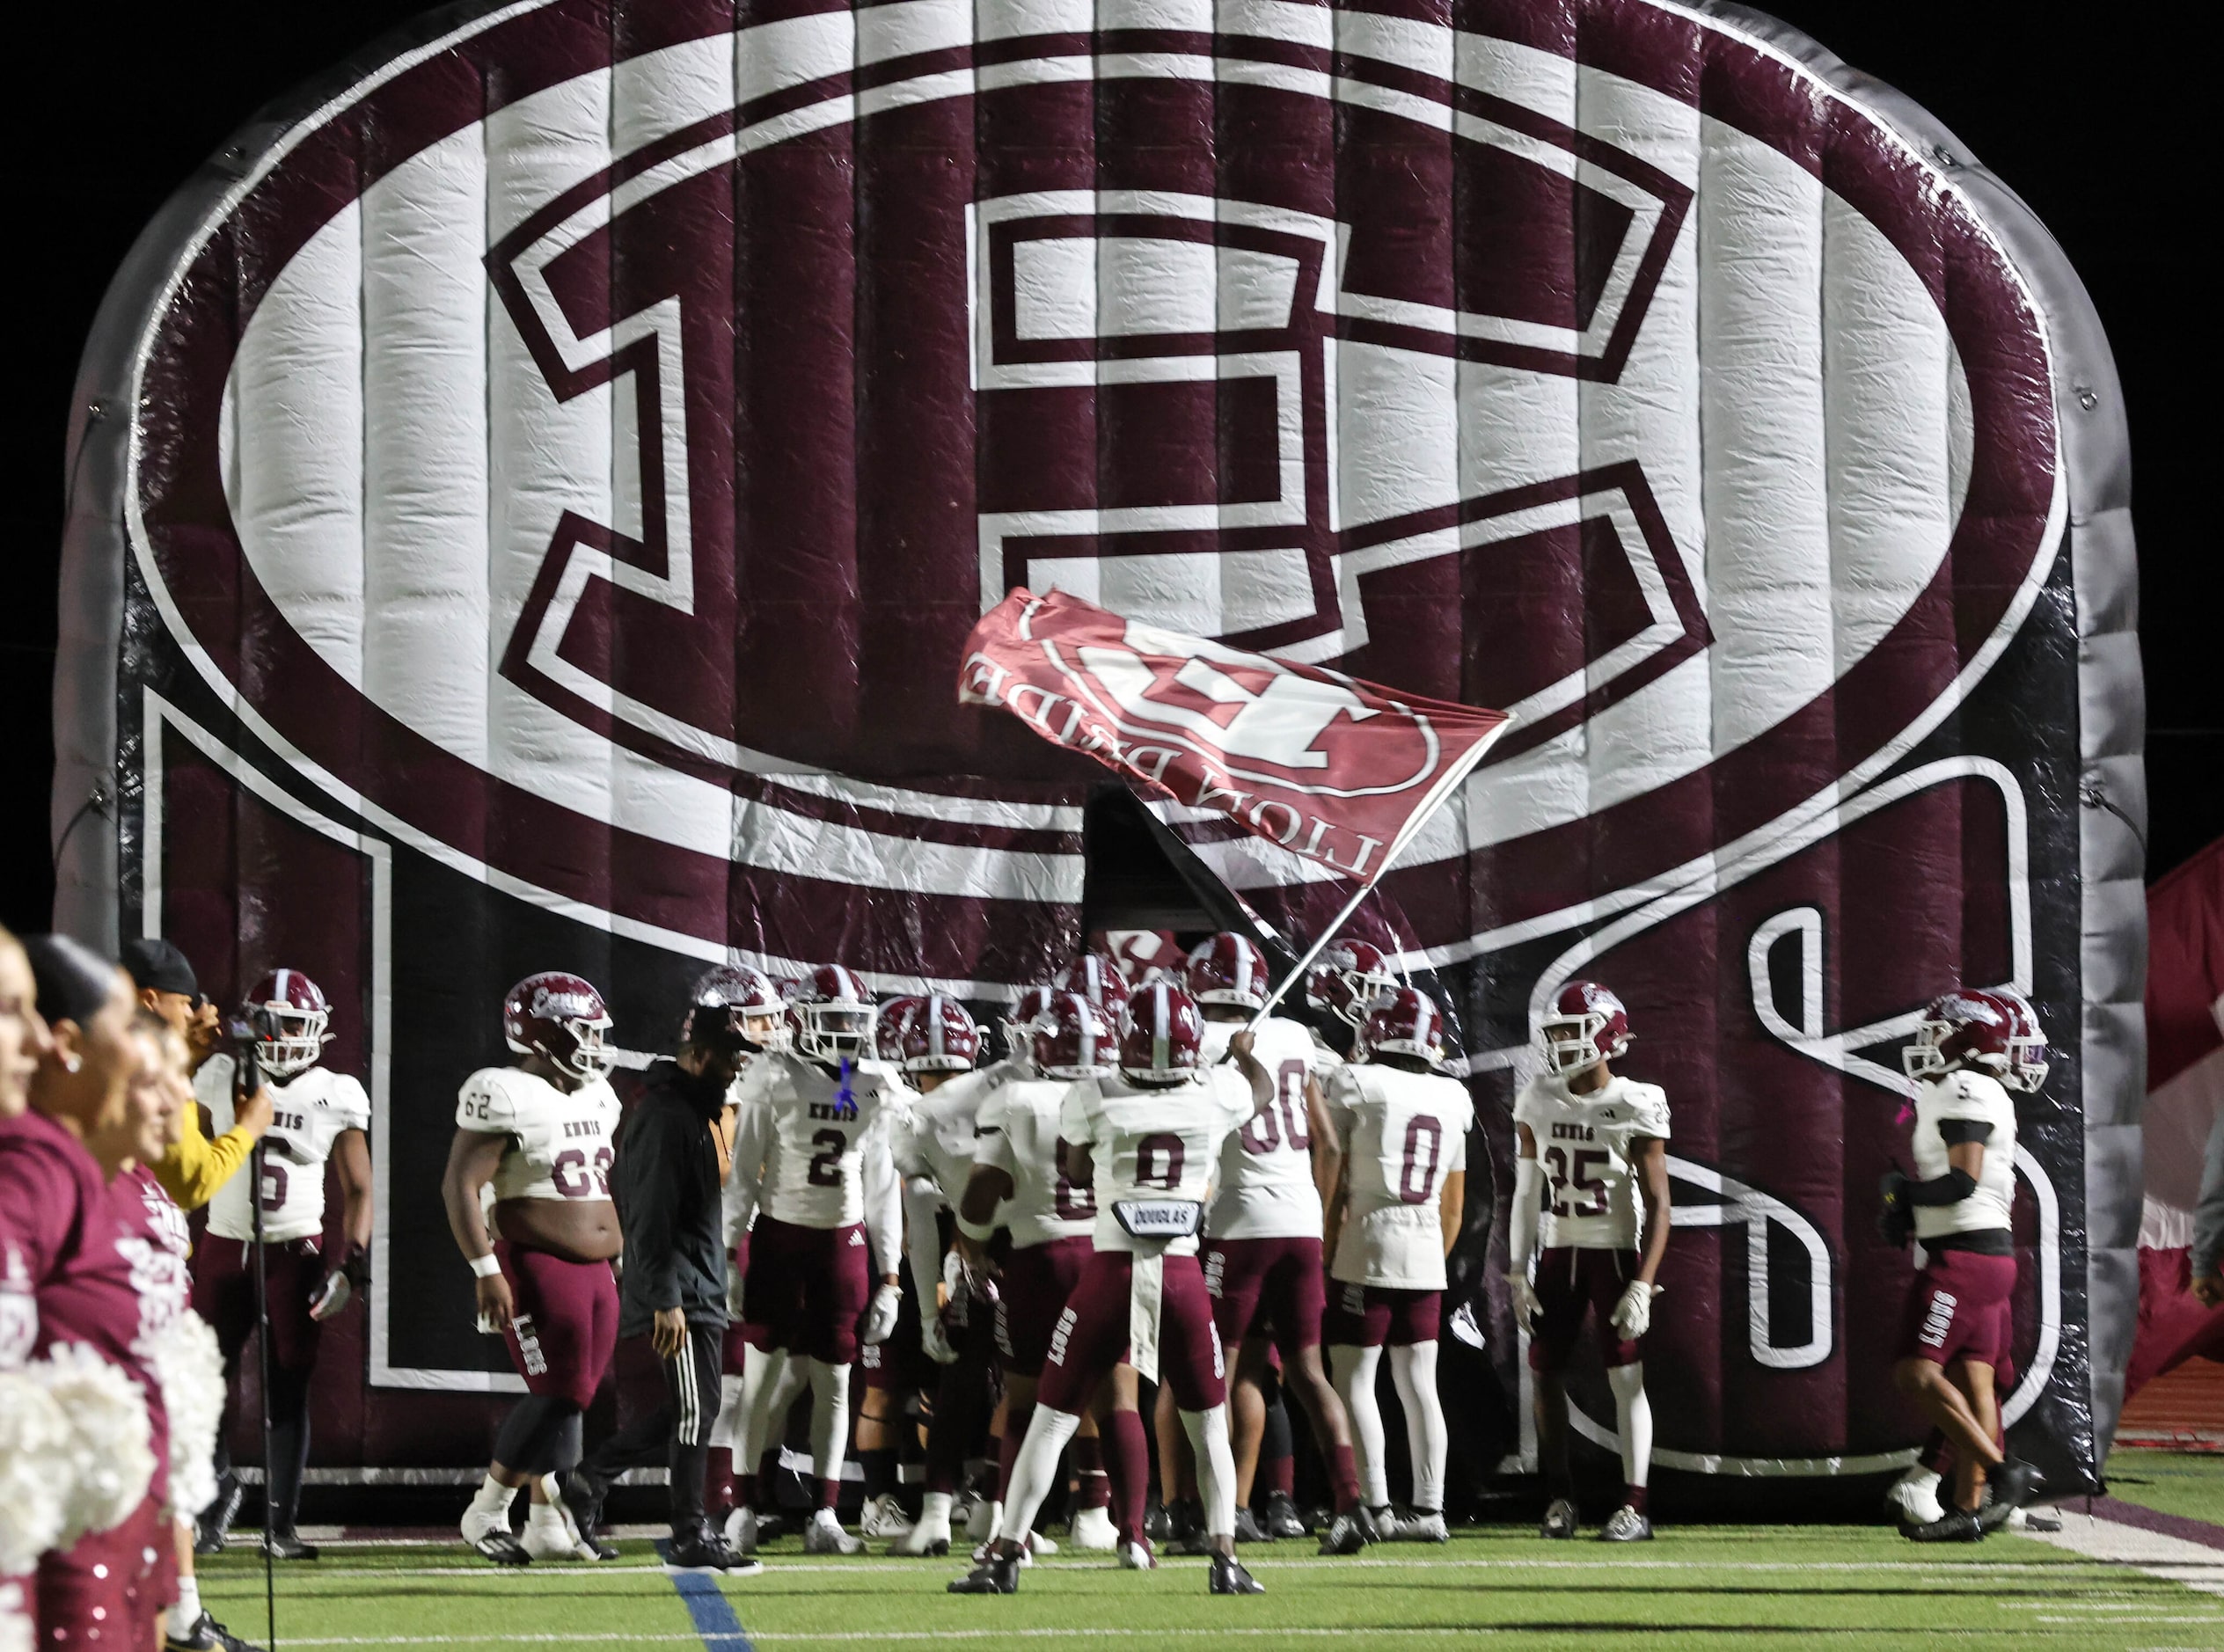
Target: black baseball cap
{"type": "Point", "coordinates": [157, 965]}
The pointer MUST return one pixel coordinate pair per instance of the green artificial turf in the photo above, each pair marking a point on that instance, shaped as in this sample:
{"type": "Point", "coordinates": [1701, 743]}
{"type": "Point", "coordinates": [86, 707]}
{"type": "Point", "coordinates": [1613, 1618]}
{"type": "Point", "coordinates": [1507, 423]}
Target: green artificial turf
{"type": "Point", "coordinates": [1713, 1586]}
{"type": "Point", "coordinates": [2175, 1483]}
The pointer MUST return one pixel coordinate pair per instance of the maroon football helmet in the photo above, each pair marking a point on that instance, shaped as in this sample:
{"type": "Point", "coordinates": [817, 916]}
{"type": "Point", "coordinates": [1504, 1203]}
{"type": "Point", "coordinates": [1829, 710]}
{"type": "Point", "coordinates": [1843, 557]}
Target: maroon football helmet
{"type": "Point", "coordinates": [1229, 969]}
{"type": "Point", "coordinates": [938, 1036]}
{"type": "Point", "coordinates": [1350, 977]}
{"type": "Point", "coordinates": [1973, 1028]}
{"type": "Point", "coordinates": [1020, 1022]}
{"type": "Point", "coordinates": [1406, 1022]}
{"type": "Point", "coordinates": [1075, 1038]}
{"type": "Point", "coordinates": [1096, 978]}
{"type": "Point", "coordinates": [834, 1014]}
{"type": "Point", "coordinates": [1586, 1023]}
{"type": "Point", "coordinates": [561, 1017]}
{"type": "Point", "coordinates": [1162, 1036]}
{"type": "Point", "coordinates": [894, 1020]}
{"type": "Point", "coordinates": [289, 1015]}
{"type": "Point", "coordinates": [745, 1001]}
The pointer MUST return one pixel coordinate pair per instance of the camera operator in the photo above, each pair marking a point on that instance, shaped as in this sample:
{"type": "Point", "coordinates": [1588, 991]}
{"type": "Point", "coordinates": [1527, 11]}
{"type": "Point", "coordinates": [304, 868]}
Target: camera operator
{"type": "Point", "coordinates": [192, 1170]}
{"type": "Point", "coordinates": [673, 1152]}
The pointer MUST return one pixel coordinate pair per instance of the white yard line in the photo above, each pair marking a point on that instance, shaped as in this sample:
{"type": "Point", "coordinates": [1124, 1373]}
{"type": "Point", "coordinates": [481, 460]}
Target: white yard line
{"type": "Point", "coordinates": [2192, 1564]}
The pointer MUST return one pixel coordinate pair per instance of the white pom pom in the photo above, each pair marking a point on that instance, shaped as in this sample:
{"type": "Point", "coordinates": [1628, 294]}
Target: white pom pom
{"type": "Point", "coordinates": [15, 1619]}
{"type": "Point", "coordinates": [37, 1448]}
{"type": "Point", "coordinates": [111, 1462]}
{"type": "Point", "coordinates": [190, 1367]}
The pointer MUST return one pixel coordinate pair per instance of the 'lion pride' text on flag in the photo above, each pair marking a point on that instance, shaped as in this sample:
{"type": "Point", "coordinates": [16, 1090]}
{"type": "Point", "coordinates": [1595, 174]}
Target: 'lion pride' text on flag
{"type": "Point", "coordinates": [1336, 770]}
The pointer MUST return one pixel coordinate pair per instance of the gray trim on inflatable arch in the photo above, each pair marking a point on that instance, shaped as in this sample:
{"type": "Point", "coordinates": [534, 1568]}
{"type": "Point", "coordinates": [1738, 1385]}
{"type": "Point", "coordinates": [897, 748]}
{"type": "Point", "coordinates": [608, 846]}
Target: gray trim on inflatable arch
{"type": "Point", "coordinates": [2112, 1047]}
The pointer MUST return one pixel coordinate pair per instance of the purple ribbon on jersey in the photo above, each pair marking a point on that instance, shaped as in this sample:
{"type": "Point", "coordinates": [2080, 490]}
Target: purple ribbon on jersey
{"type": "Point", "coordinates": [845, 1097]}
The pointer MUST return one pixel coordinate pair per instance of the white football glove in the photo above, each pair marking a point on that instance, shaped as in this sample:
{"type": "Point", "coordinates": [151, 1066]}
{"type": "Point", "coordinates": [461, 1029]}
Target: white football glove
{"type": "Point", "coordinates": [1633, 1314]}
{"type": "Point", "coordinates": [880, 1319]}
{"type": "Point", "coordinates": [935, 1341]}
{"type": "Point", "coordinates": [1525, 1306]}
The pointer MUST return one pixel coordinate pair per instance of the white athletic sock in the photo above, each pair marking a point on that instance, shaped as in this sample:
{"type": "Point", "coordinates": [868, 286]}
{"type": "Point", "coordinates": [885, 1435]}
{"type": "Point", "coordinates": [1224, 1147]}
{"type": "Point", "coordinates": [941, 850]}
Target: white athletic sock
{"type": "Point", "coordinates": [1208, 1432]}
{"type": "Point", "coordinates": [1635, 1413]}
{"type": "Point", "coordinates": [829, 1417]}
{"type": "Point", "coordinates": [545, 1516]}
{"type": "Point", "coordinates": [1352, 1370]}
{"type": "Point", "coordinates": [185, 1611]}
{"type": "Point", "coordinates": [1036, 1470]}
{"type": "Point", "coordinates": [492, 1497]}
{"type": "Point", "coordinates": [726, 1433]}
{"type": "Point", "coordinates": [761, 1374]}
{"type": "Point", "coordinates": [1414, 1369]}
{"type": "Point", "coordinates": [933, 1507]}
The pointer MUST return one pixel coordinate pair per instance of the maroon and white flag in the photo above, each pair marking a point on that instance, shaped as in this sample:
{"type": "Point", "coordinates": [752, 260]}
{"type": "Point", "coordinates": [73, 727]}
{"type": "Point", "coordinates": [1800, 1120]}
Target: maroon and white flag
{"type": "Point", "coordinates": [1333, 768]}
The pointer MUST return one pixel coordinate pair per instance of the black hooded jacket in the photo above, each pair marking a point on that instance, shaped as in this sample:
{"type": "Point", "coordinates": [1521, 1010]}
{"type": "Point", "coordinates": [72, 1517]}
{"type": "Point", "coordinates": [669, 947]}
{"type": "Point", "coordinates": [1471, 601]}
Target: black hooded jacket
{"type": "Point", "coordinates": [666, 1184]}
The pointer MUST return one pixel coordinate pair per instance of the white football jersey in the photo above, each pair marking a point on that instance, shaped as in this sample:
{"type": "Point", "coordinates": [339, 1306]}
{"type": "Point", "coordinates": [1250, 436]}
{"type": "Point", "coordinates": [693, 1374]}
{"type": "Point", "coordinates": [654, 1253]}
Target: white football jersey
{"type": "Point", "coordinates": [1019, 1135]}
{"type": "Point", "coordinates": [1585, 1145]}
{"type": "Point", "coordinates": [560, 1141]}
{"type": "Point", "coordinates": [1982, 1099]}
{"type": "Point", "coordinates": [1154, 1145]}
{"type": "Point", "coordinates": [1267, 1189]}
{"type": "Point", "coordinates": [309, 1110]}
{"type": "Point", "coordinates": [812, 1130]}
{"type": "Point", "coordinates": [937, 1138]}
{"type": "Point", "coordinates": [1402, 1134]}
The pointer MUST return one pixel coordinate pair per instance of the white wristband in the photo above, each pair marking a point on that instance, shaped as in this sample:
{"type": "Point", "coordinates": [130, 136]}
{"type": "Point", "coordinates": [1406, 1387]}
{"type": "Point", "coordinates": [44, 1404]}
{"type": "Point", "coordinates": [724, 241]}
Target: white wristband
{"type": "Point", "coordinates": [979, 1233]}
{"type": "Point", "coordinates": [485, 1267]}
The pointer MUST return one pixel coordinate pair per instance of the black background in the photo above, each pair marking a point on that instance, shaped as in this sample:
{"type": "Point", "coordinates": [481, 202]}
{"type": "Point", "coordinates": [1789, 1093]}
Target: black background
{"type": "Point", "coordinates": [2091, 119]}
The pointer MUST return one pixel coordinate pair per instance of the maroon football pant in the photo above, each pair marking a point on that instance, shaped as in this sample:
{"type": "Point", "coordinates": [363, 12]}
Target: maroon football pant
{"type": "Point", "coordinates": [566, 1324]}
{"type": "Point", "coordinates": [1092, 1335]}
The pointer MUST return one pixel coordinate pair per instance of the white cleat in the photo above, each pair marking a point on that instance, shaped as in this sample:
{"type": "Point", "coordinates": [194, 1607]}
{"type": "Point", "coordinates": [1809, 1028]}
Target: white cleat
{"type": "Point", "coordinates": [1094, 1533]}
{"type": "Point", "coordinates": [1036, 1543]}
{"type": "Point", "coordinates": [1136, 1557]}
{"type": "Point", "coordinates": [884, 1517]}
{"type": "Point", "coordinates": [980, 1515]}
{"type": "Point", "coordinates": [930, 1533]}
{"type": "Point", "coordinates": [491, 1535]}
{"type": "Point", "coordinates": [556, 1539]}
{"type": "Point", "coordinates": [1039, 1543]}
{"type": "Point", "coordinates": [740, 1531]}
{"type": "Point", "coordinates": [824, 1535]}
{"type": "Point", "coordinates": [1913, 1498]}
{"type": "Point", "coordinates": [1408, 1526]}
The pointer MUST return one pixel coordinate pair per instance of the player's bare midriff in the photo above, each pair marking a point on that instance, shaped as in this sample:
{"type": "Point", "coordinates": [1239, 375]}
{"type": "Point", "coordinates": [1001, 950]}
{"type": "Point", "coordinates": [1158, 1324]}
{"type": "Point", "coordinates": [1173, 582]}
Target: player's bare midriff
{"type": "Point", "coordinates": [577, 1230]}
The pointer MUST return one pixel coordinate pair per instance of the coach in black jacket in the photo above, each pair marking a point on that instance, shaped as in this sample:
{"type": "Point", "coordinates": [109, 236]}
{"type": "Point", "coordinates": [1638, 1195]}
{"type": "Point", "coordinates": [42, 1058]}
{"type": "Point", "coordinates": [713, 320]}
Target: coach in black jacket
{"type": "Point", "coordinates": [672, 1297]}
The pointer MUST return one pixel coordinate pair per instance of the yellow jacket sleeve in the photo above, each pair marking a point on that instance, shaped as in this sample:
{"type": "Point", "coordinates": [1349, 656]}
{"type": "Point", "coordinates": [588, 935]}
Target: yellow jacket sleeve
{"type": "Point", "coordinates": [191, 1172]}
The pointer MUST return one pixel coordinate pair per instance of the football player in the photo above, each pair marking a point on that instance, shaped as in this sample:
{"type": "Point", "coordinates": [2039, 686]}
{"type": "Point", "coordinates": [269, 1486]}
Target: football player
{"type": "Point", "coordinates": [1022, 1222]}
{"type": "Point", "coordinates": [1959, 1205]}
{"type": "Point", "coordinates": [1263, 1260]}
{"type": "Point", "coordinates": [318, 1116]}
{"type": "Point", "coordinates": [1392, 1221]}
{"type": "Point", "coordinates": [1343, 988]}
{"type": "Point", "coordinates": [813, 1174]}
{"type": "Point", "coordinates": [1592, 1157]}
{"type": "Point", "coordinates": [527, 1190]}
{"type": "Point", "coordinates": [1148, 1140]}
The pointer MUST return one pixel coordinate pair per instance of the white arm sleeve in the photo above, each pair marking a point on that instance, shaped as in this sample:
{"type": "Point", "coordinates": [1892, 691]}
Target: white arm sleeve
{"type": "Point", "coordinates": [1528, 1200]}
{"type": "Point", "coordinates": [922, 1238]}
{"type": "Point", "coordinates": [752, 1124]}
{"type": "Point", "coordinates": [883, 1205]}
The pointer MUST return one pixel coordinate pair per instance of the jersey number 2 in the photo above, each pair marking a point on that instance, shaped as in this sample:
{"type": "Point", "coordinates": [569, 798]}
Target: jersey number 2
{"type": "Point", "coordinates": [825, 1169]}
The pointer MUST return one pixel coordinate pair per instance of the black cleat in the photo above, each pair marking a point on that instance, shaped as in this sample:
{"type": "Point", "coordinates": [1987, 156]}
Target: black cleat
{"type": "Point", "coordinates": [1345, 1536]}
{"type": "Point", "coordinates": [2015, 1483]}
{"type": "Point", "coordinates": [1186, 1536]}
{"type": "Point", "coordinates": [208, 1635]}
{"type": "Point", "coordinates": [1230, 1578]}
{"type": "Point", "coordinates": [704, 1550]}
{"type": "Point", "coordinates": [998, 1574]}
{"type": "Point", "coordinates": [2036, 1520]}
{"type": "Point", "coordinates": [213, 1524]}
{"type": "Point", "coordinates": [1956, 1525]}
{"type": "Point", "coordinates": [286, 1544]}
{"type": "Point", "coordinates": [1283, 1519]}
{"type": "Point", "coordinates": [1158, 1525]}
{"type": "Point", "coordinates": [584, 1504]}
{"type": "Point", "coordinates": [1248, 1529]}
{"type": "Point", "coordinates": [1559, 1519]}
{"type": "Point", "coordinates": [501, 1546]}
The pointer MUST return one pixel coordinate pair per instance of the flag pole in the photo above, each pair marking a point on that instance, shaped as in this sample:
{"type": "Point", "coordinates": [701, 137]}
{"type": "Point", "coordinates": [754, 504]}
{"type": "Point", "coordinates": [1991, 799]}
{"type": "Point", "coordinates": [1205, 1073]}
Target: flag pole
{"type": "Point", "coordinates": [1320, 945]}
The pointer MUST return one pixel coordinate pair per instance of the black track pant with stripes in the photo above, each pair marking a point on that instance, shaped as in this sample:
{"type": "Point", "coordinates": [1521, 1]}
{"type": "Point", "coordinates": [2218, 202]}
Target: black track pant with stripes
{"type": "Point", "coordinates": [676, 1432]}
